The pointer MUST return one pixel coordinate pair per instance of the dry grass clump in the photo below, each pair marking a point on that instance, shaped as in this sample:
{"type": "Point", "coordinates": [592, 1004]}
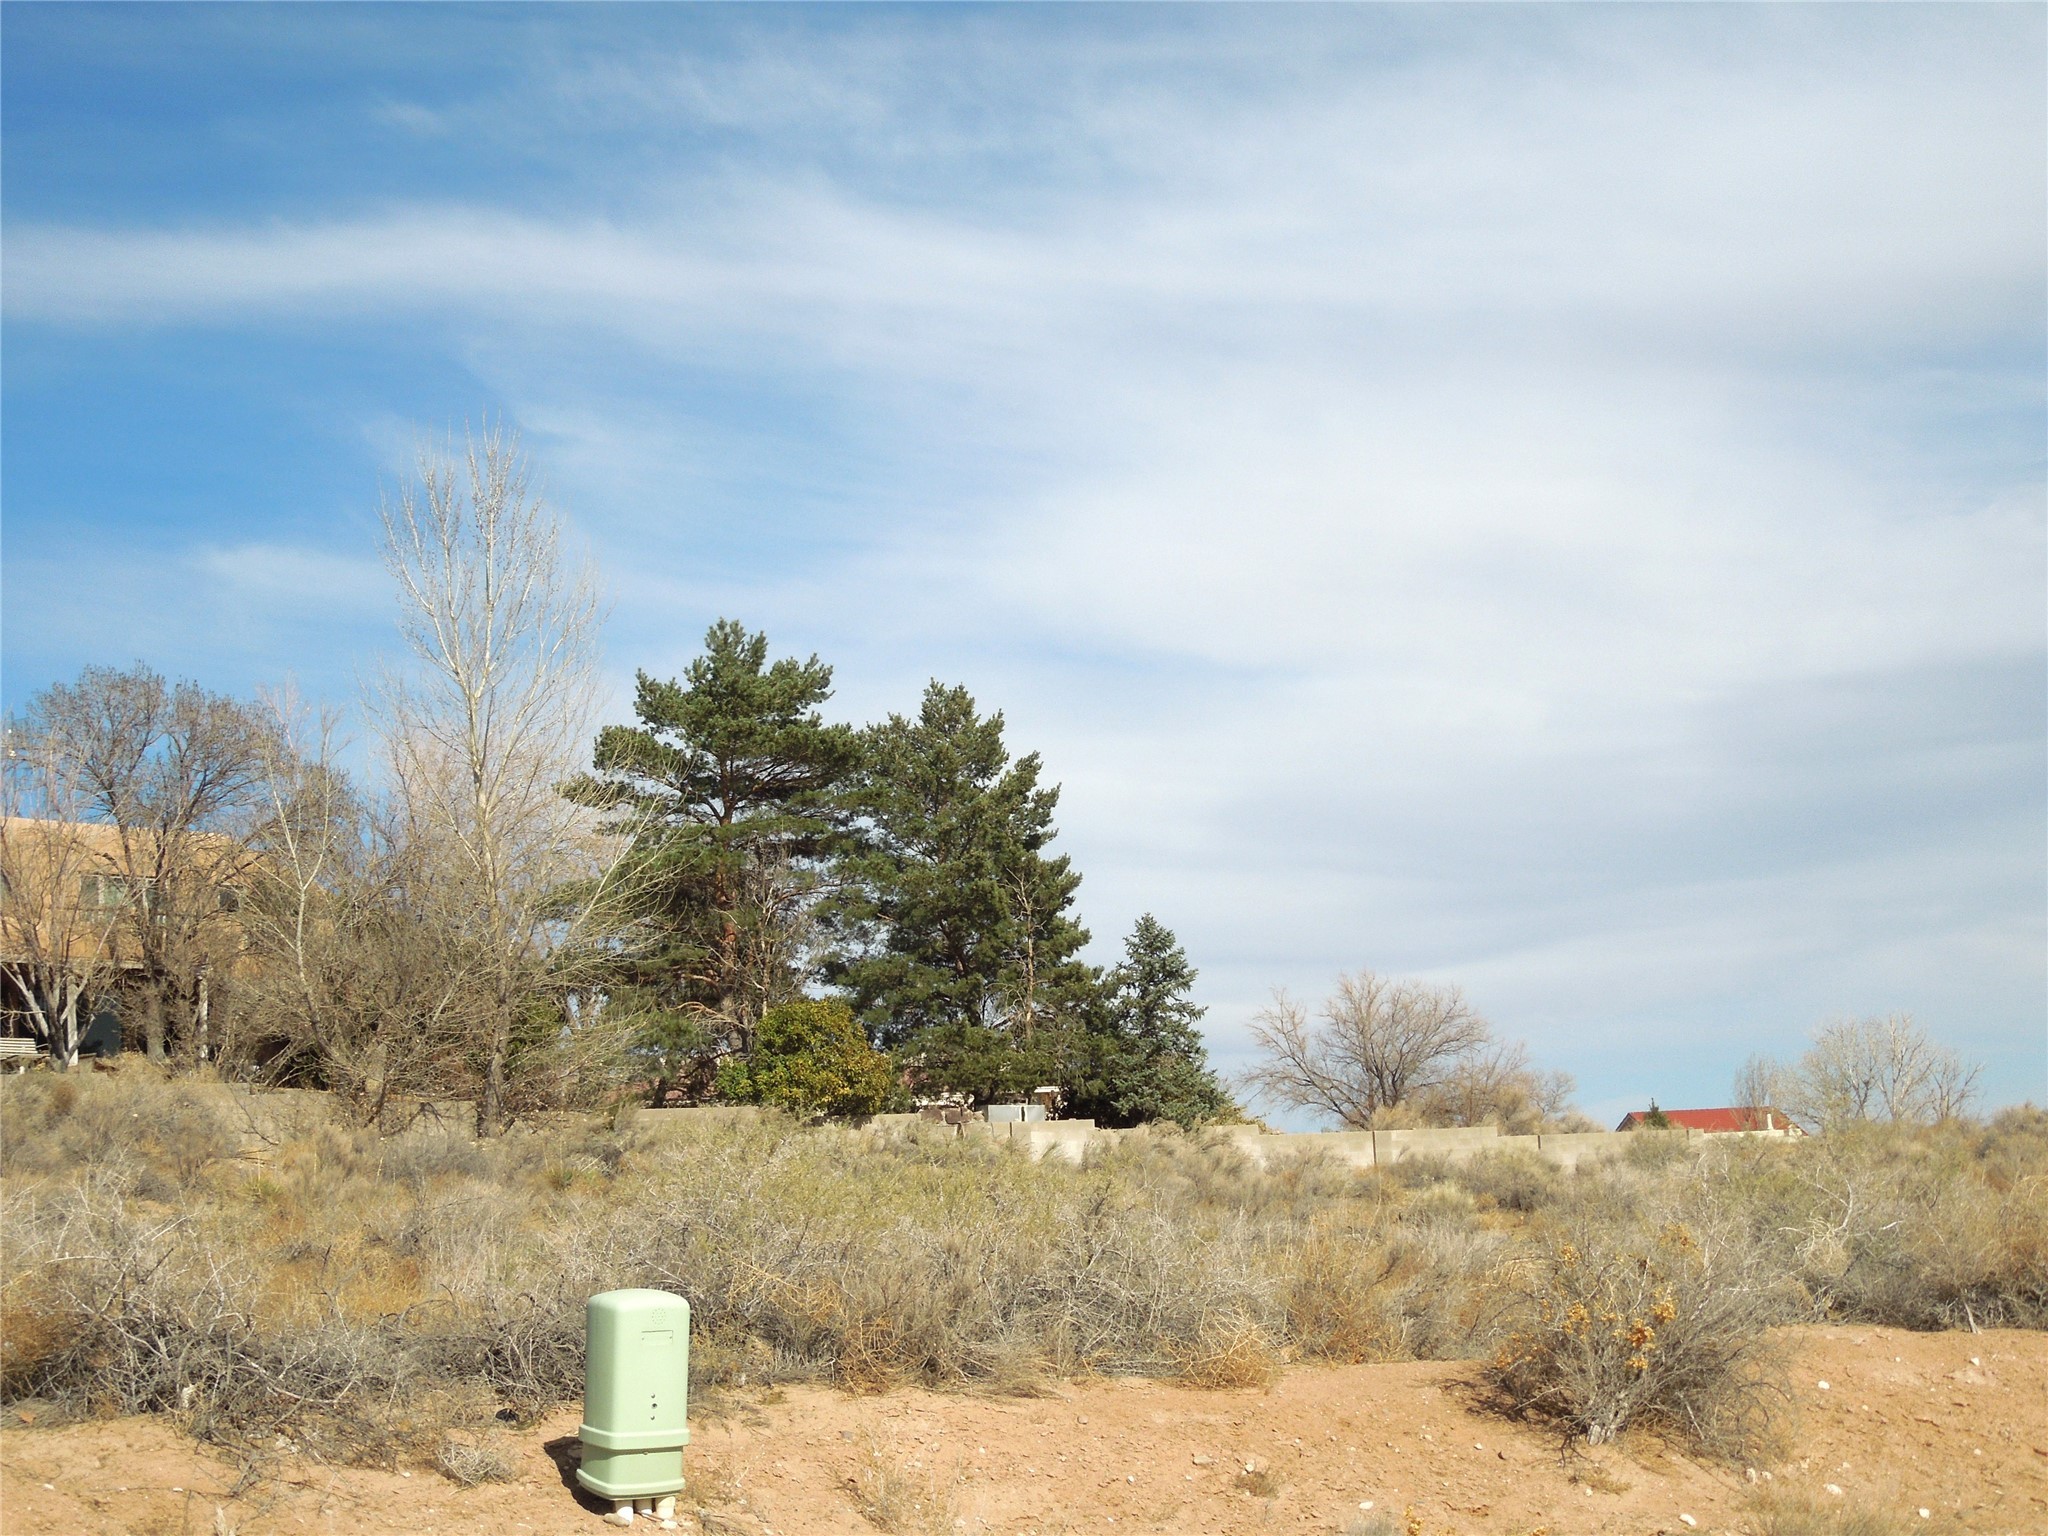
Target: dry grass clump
{"type": "Point", "coordinates": [158, 1136]}
{"type": "Point", "coordinates": [1786, 1512]}
{"type": "Point", "coordinates": [1614, 1331]}
{"type": "Point", "coordinates": [1511, 1181]}
{"type": "Point", "coordinates": [473, 1460]}
{"type": "Point", "coordinates": [1229, 1352]}
{"type": "Point", "coordinates": [903, 1494]}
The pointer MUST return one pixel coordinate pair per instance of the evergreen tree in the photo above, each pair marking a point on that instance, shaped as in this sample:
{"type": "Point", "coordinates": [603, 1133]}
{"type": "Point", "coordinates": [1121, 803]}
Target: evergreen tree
{"type": "Point", "coordinates": [1156, 1067]}
{"type": "Point", "coordinates": [727, 788]}
{"type": "Point", "coordinates": [962, 939]}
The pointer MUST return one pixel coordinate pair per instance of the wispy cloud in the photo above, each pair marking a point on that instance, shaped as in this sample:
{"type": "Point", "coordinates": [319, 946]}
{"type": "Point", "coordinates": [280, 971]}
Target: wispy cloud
{"type": "Point", "coordinates": [1550, 498]}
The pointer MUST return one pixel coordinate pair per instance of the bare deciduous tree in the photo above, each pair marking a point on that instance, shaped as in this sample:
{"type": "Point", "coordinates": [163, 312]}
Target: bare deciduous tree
{"type": "Point", "coordinates": [1379, 1041]}
{"type": "Point", "coordinates": [489, 720]}
{"type": "Point", "coordinates": [359, 982]}
{"type": "Point", "coordinates": [1496, 1084]}
{"type": "Point", "coordinates": [173, 771]}
{"type": "Point", "coordinates": [1864, 1069]}
{"type": "Point", "coordinates": [1759, 1086]}
{"type": "Point", "coordinates": [56, 937]}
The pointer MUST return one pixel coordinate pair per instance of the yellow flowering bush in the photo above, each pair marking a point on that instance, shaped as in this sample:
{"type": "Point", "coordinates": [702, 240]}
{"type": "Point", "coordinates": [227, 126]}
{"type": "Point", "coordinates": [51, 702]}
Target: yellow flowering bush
{"type": "Point", "coordinates": [1661, 1329]}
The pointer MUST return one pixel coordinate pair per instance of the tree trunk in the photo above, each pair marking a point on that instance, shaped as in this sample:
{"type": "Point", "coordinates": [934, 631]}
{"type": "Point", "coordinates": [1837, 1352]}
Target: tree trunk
{"type": "Point", "coordinates": [64, 1038]}
{"type": "Point", "coordinates": [153, 1024]}
{"type": "Point", "coordinates": [490, 1110]}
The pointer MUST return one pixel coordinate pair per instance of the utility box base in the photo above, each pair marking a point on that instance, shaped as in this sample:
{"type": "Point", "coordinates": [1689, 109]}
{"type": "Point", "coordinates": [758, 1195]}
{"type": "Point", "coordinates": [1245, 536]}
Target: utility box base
{"type": "Point", "coordinates": [630, 1474]}
{"type": "Point", "coordinates": [635, 1395]}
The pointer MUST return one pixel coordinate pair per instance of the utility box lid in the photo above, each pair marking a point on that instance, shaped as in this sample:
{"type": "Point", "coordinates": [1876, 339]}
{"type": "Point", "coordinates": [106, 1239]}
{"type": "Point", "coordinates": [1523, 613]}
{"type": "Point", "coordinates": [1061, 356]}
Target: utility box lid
{"type": "Point", "coordinates": [637, 1371]}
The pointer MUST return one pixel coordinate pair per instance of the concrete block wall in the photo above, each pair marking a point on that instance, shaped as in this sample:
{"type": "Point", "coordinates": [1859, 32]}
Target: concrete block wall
{"type": "Point", "coordinates": [1070, 1140]}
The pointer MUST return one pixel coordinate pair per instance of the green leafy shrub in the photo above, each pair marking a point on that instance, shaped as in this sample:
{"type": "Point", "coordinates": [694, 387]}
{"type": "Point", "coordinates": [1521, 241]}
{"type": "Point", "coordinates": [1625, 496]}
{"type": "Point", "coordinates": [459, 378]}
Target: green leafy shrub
{"type": "Point", "coordinates": [811, 1059]}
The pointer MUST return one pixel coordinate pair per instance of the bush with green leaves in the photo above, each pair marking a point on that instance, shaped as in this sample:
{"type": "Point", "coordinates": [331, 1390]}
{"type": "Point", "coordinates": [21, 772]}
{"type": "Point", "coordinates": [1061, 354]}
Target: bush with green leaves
{"type": "Point", "coordinates": [813, 1060]}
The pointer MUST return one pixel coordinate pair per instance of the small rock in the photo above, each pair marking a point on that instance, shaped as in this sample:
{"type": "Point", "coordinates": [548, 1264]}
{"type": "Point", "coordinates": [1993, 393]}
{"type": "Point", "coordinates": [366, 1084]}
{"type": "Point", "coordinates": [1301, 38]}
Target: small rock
{"type": "Point", "coordinates": [1823, 1386]}
{"type": "Point", "coordinates": [1926, 1514]}
{"type": "Point", "coordinates": [1367, 1504]}
{"type": "Point", "coordinates": [1503, 1455]}
{"type": "Point", "coordinates": [1834, 1488]}
{"type": "Point", "coordinates": [1974, 1360]}
{"type": "Point", "coordinates": [1687, 1521]}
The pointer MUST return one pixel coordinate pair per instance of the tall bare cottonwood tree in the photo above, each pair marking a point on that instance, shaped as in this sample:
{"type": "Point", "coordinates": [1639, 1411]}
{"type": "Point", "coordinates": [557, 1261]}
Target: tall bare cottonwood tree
{"type": "Point", "coordinates": [1378, 1042]}
{"type": "Point", "coordinates": [487, 720]}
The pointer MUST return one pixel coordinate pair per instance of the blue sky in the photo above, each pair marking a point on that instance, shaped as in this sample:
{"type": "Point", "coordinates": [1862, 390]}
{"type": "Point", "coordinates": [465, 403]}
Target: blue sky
{"type": "Point", "coordinates": [1551, 499]}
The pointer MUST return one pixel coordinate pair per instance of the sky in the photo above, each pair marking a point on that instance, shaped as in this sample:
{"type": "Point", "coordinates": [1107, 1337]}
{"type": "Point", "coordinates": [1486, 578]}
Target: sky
{"type": "Point", "coordinates": [1544, 499]}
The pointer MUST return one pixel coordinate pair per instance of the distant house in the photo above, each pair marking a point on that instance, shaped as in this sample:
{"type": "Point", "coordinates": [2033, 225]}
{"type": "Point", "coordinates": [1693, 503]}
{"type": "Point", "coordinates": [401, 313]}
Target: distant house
{"type": "Point", "coordinates": [1715, 1122]}
{"type": "Point", "coordinates": [73, 899]}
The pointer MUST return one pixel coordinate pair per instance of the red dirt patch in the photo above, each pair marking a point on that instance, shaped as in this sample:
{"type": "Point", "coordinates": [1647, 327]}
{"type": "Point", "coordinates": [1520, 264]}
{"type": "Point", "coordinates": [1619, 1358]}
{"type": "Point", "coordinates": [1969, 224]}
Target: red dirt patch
{"type": "Point", "coordinates": [1955, 1423]}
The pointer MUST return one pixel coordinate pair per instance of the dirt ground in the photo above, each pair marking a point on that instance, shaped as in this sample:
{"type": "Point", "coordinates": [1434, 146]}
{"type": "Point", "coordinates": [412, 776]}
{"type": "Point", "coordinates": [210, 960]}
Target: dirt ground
{"type": "Point", "coordinates": [1953, 1423]}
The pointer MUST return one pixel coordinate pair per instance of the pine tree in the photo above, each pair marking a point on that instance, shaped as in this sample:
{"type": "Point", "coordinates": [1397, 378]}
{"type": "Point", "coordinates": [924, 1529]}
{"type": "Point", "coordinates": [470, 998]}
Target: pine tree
{"type": "Point", "coordinates": [1157, 1068]}
{"type": "Point", "coordinates": [727, 787]}
{"type": "Point", "coordinates": [959, 920]}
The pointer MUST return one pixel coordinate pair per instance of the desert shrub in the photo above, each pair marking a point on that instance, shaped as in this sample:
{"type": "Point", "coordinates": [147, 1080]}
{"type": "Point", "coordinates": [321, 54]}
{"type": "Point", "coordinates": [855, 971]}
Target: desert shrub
{"type": "Point", "coordinates": [1339, 1302]}
{"type": "Point", "coordinates": [160, 1135]}
{"type": "Point", "coordinates": [1510, 1181]}
{"type": "Point", "coordinates": [1230, 1351]}
{"type": "Point", "coordinates": [1654, 1148]}
{"type": "Point", "coordinates": [1616, 1329]}
{"type": "Point", "coordinates": [1918, 1227]}
{"type": "Point", "coordinates": [363, 1295]}
{"type": "Point", "coordinates": [422, 1157]}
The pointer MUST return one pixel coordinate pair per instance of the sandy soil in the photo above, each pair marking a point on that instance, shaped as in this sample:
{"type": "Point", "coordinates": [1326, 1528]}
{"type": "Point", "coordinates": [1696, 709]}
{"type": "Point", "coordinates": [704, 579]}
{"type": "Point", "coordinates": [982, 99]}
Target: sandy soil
{"type": "Point", "coordinates": [1954, 1423]}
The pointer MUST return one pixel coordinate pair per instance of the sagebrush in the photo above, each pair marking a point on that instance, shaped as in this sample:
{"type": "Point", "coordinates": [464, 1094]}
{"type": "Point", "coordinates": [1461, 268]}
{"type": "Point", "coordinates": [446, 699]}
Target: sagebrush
{"type": "Point", "coordinates": [360, 1296]}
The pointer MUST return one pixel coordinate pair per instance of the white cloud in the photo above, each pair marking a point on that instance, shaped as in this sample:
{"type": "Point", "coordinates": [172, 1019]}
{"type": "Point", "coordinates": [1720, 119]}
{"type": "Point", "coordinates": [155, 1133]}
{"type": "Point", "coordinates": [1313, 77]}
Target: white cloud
{"type": "Point", "coordinates": [1414, 502]}
{"type": "Point", "coordinates": [281, 577]}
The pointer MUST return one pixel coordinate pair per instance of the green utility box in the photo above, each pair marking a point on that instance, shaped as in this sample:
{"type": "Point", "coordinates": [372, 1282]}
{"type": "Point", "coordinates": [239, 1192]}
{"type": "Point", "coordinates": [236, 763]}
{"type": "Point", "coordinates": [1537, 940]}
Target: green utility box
{"type": "Point", "coordinates": [636, 1394]}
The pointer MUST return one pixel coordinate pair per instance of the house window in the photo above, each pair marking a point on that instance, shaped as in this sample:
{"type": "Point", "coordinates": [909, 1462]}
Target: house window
{"type": "Point", "coordinates": [102, 891]}
{"type": "Point", "coordinates": [106, 891]}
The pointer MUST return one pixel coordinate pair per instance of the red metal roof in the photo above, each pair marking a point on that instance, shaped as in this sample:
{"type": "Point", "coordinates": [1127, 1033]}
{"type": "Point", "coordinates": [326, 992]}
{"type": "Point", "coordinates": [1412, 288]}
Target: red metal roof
{"type": "Point", "coordinates": [1712, 1120]}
